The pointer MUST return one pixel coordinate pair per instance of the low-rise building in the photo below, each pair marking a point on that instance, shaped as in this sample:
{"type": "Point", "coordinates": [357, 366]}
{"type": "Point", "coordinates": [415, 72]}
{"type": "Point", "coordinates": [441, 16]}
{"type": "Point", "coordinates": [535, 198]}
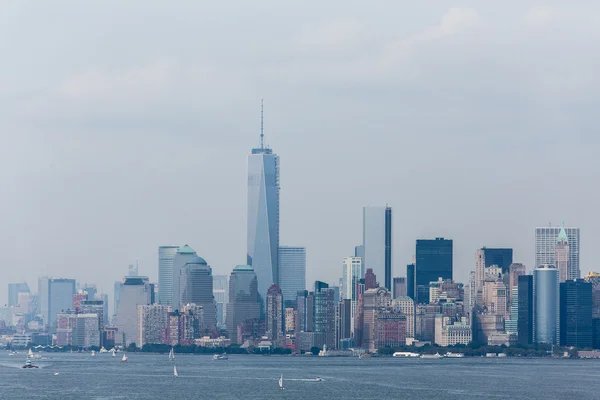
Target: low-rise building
{"type": "Point", "coordinates": [450, 332]}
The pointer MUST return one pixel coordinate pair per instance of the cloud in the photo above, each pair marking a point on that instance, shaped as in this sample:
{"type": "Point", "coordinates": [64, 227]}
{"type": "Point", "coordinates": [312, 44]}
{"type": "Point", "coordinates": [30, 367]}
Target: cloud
{"type": "Point", "coordinates": [332, 36]}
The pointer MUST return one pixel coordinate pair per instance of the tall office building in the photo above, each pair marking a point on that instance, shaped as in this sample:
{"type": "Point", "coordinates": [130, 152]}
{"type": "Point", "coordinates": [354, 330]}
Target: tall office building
{"type": "Point", "coordinates": [351, 273]}
{"type": "Point", "coordinates": [13, 292]}
{"type": "Point", "coordinates": [545, 248]}
{"type": "Point", "coordinates": [399, 287]}
{"type": "Point", "coordinates": [166, 254]}
{"type": "Point", "coordinates": [324, 315]}
{"type": "Point", "coordinates": [433, 261]}
{"type": "Point", "coordinates": [96, 307]}
{"type": "Point", "coordinates": [370, 279]}
{"type": "Point", "coordinates": [58, 296]}
{"type": "Point", "coordinates": [359, 251]}
{"type": "Point", "coordinates": [410, 281]}
{"type": "Point", "coordinates": [343, 321]}
{"type": "Point", "coordinates": [525, 309]}
{"type": "Point", "coordinates": [305, 302]}
{"type": "Point", "coordinates": [487, 257]}
{"type": "Point", "coordinates": [406, 306]}
{"type": "Point", "coordinates": [274, 314]}
{"type": "Point", "coordinates": [292, 272]}
{"type": "Point", "coordinates": [243, 299]}
{"type": "Point", "coordinates": [263, 214]}
{"type": "Point", "coordinates": [546, 305]}
{"type": "Point", "coordinates": [562, 256]}
{"type": "Point", "coordinates": [221, 295]}
{"type": "Point", "coordinates": [374, 300]}
{"type": "Point", "coordinates": [576, 313]}
{"type": "Point", "coordinates": [196, 287]}
{"type": "Point", "coordinates": [134, 291]}
{"type": "Point", "coordinates": [377, 242]}
{"type": "Point", "coordinates": [183, 255]}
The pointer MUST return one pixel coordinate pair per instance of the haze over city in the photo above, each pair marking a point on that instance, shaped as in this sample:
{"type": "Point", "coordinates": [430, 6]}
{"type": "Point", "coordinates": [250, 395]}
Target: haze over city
{"type": "Point", "coordinates": [127, 127]}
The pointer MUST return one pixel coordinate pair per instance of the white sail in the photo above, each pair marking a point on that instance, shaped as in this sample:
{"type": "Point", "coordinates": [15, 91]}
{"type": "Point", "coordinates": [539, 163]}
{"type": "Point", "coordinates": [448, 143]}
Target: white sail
{"type": "Point", "coordinates": [175, 371]}
{"type": "Point", "coordinates": [171, 355]}
{"type": "Point", "coordinates": [30, 353]}
{"type": "Point", "coordinates": [124, 358]}
{"type": "Point", "coordinates": [281, 382]}
{"type": "Point", "coordinates": [114, 354]}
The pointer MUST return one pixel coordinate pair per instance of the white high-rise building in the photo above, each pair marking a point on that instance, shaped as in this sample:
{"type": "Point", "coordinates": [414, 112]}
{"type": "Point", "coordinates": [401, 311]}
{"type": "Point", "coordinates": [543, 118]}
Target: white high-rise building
{"type": "Point", "coordinates": [292, 272]}
{"type": "Point", "coordinates": [166, 254]}
{"type": "Point", "coordinates": [377, 243]}
{"type": "Point", "coordinates": [152, 321]}
{"type": "Point", "coordinates": [352, 272]}
{"type": "Point", "coordinates": [546, 239]}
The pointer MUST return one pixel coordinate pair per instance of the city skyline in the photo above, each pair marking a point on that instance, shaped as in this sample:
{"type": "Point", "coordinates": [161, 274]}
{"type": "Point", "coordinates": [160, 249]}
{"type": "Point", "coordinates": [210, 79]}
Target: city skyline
{"type": "Point", "coordinates": [109, 148]}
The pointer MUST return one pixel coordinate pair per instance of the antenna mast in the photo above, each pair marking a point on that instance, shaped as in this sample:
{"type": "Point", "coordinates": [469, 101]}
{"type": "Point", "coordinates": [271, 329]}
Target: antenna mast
{"type": "Point", "coordinates": [262, 134]}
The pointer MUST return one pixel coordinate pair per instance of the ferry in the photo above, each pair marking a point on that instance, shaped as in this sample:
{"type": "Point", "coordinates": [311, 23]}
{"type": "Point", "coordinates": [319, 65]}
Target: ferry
{"type": "Point", "coordinates": [435, 356]}
{"type": "Point", "coordinates": [220, 357]}
{"type": "Point", "coordinates": [454, 355]}
{"type": "Point", "coordinates": [405, 354]}
{"type": "Point", "coordinates": [28, 364]}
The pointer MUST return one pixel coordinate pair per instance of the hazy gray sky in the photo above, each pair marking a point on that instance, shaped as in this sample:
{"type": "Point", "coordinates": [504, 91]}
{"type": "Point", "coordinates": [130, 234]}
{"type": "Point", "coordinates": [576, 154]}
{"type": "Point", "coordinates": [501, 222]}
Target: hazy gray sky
{"type": "Point", "coordinates": [126, 125]}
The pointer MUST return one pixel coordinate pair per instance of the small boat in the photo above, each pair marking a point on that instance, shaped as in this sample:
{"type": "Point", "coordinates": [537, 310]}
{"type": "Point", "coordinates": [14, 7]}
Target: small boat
{"type": "Point", "coordinates": [171, 355]}
{"type": "Point", "coordinates": [114, 353]}
{"type": "Point", "coordinates": [28, 364]}
{"type": "Point", "coordinates": [454, 355]}
{"type": "Point", "coordinates": [56, 374]}
{"type": "Point", "coordinates": [103, 350]}
{"type": "Point", "coordinates": [405, 354]}
{"type": "Point", "coordinates": [365, 355]}
{"type": "Point", "coordinates": [281, 383]}
{"type": "Point", "coordinates": [318, 379]}
{"type": "Point", "coordinates": [124, 358]}
{"type": "Point", "coordinates": [175, 371]}
{"type": "Point", "coordinates": [435, 356]}
{"type": "Point", "coordinates": [220, 357]}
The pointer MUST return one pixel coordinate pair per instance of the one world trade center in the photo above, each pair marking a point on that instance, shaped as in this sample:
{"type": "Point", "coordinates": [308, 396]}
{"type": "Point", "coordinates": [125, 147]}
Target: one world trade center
{"type": "Point", "coordinates": [263, 214]}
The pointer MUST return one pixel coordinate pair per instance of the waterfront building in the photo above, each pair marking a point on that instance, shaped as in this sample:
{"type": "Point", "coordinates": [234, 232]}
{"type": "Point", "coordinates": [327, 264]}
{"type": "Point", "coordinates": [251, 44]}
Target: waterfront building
{"type": "Point", "coordinates": [546, 239]}
{"type": "Point", "coordinates": [343, 320]}
{"type": "Point", "coordinates": [274, 314]}
{"type": "Point", "coordinates": [324, 315]}
{"type": "Point", "coordinates": [399, 287]}
{"type": "Point", "coordinates": [87, 331]}
{"type": "Point", "coordinates": [13, 292]}
{"type": "Point", "coordinates": [525, 307]}
{"type": "Point", "coordinates": [292, 272]}
{"type": "Point", "coordinates": [390, 329]}
{"type": "Point", "coordinates": [305, 301]}
{"type": "Point", "coordinates": [243, 298]}
{"type": "Point", "coordinates": [166, 255]}
{"type": "Point", "coordinates": [377, 242]}
{"type": "Point", "coordinates": [546, 305]}
{"type": "Point", "coordinates": [290, 320]}
{"type": "Point", "coordinates": [263, 215]}
{"type": "Point", "coordinates": [406, 306]}
{"type": "Point", "coordinates": [191, 323]}
{"type": "Point", "coordinates": [221, 296]}
{"type": "Point", "coordinates": [576, 324]}
{"type": "Point", "coordinates": [152, 324]}
{"type": "Point", "coordinates": [374, 300]}
{"type": "Point", "coordinates": [96, 307]}
{"type": "Point", "coordinates": [433, 261]}
{"type": "Point", "coordinates": [487, 325]}
{"type": "Point", "coordinates": [450, 331]}
{"type": "Point", "coordinates": [425, 321]}
{"type": "Point", "coordinates": [196, 287]}
{"type": "Point", "coordinates": [65, 325]}
{"type": "Point", "coordinates": [495, 297]}
{"type": "Point", "coordinates": [133, 291]}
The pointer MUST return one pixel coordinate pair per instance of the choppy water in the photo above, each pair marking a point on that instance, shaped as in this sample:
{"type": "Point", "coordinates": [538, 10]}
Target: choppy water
{"type": "Point", "coordinates": [147, 376]}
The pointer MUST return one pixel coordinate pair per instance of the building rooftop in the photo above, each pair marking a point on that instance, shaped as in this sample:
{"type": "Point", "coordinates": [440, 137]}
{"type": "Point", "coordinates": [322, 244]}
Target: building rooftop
{"type": "Point", "coordinates": [197, 260]}
{"type": "Point", "coordinates": [186, 250]}
{"type": "Point", "coordinates": [243, 268]}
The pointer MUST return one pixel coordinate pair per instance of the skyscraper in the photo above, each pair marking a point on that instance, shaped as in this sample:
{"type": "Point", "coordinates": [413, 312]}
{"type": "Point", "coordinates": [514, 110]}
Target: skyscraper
{"type": "Point", "coordinates": [433, 261]}
{"type": "Point", "coordinates": [324, 315]}
{"type": "Point", "coordinates": [183, 255]}
{"type": "Point", "coordinates": [292, 272]}
{"type": "Point", "coordinates": [562, 256]}
{"type": "Point", "coordinates": [546, 305]}
{"type": "Point", "coordinates": [134, 291]}
{"type": "Point", "coordinates": [374, 301]}
{"type": "Point", "coordinates": [13, 292]}
{"type": "Point", "coordinates": [196, 284]}
{"type": "Point", "coordinates": [377, 242]}
{"type": "Point", "coordinates": [220, 293]}
{"type": "Point", "coordinates": [486, 257]}
{"type": "Point", "coordinates": [243, 299]}
{"type": "Point", "coordinates": [263, 214]}
{"type": "Point", "coordinates": [59, 298]}
{"type": "Point", "coordinates": [576, 313]}
{"type": "Point", "coordinates": [410, 281]}
{"type": "Point", "coordinates": [152, 323]}
{"type": "Point", "coordinates": [166, 254]}
{"type": "Point", "coordinates": [274, 314]}
{"type": "Point", "coordinates": [545, 248]}
{"type": "Point", "coordinates": [525, 313]}
{"type": "Point", "coordinates": [305, 301]}
{"type": "Point", "coordinates": [399, 287]}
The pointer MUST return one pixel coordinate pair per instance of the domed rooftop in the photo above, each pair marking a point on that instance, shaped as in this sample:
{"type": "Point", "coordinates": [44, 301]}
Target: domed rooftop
{"type": "Point", "coordinates": [197, 260]}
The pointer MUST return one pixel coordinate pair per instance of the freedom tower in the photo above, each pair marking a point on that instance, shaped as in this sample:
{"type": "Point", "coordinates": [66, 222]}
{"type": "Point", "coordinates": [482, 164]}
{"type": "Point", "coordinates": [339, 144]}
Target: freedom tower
{"type": "Point", "coordinates": [263, 214]}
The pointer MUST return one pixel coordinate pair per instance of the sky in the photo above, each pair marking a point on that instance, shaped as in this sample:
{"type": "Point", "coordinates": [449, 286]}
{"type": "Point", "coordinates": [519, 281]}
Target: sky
{"type": "Point", "coordinates": [126, 125]}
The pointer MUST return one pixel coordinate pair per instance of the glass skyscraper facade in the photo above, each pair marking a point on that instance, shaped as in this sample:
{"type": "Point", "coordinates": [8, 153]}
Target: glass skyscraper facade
{"type": "Point", "coordinates": [377, 243]}
{"type": "Point", "coordinates": [59, 293]}
{"type": "Point", "coordinates": [433, 261]}
{"type": "Point", "coordinates": [196, 286]}
{"type": "Point", "coordinates": [166, 254]}
{"type": "Point", "coordinates": [292, 272]}
{"type": "Point", "coordinates": [243, 299]}
{"type": "Point", "coordinates": [546, 304]}
{"type": "Point", "coordinates": [183, 255]}
{"type": "Point", "coordinates": [576, 313]}
{"type": "Point", "coordinates": [263, 216]}
{"type": "Point", "coordinates": [13, 292]}
{"type": "Point", "coordinates": [545, 248]}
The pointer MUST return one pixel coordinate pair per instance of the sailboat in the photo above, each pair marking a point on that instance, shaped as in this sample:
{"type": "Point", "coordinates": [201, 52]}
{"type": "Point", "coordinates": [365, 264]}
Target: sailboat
{"type": "Point", "coordinates": [175, 371]}
{"type": "Point", "coordinates": [124, 359]}
{"type": "Point", "coordinates": [93, 353]}
{"type": "Point", "coordinates": [30, 354]}
{"type": "Point", "coordinates": [114, 353]}
{"type": "Point", "coordinates": [171, 355]}
{"type": "Point", "coordinates": [281, 383]}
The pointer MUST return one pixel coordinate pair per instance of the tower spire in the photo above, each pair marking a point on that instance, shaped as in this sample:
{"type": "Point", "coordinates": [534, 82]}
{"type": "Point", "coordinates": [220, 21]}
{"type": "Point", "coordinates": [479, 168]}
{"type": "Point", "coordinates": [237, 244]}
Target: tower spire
{"type": "Point", "coordinates": [262, 133]}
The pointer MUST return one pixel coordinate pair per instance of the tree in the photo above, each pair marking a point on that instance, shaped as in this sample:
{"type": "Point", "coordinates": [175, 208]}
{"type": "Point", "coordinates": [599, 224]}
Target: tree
{"type": "Point", "coordinates": [315, 350]}
{"type": "Point", "coordinates": [132, 347]}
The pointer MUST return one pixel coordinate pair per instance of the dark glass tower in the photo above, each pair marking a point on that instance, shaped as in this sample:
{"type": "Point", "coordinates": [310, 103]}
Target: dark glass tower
{"type": "Point", "coordinates": [377, 242]}
{"type": "Point", "coordinates": [410, 281]}
{"type": "Point", "coordinates": [525, 316]}
{"type": "Point", "coordinates": [500, 257]}
{"type": "Point", "coordinates": [576, 313]}
{"type": "Point", "coordinates": [434, 260]}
